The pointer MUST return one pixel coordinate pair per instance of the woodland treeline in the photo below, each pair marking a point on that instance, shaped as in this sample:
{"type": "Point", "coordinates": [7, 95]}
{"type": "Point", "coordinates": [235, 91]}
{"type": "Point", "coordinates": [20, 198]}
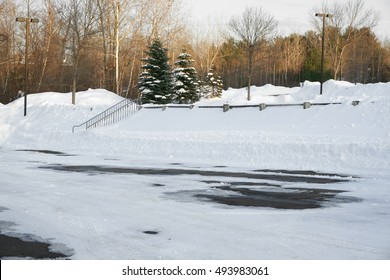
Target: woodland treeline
{"type": "Point", "coordinates": [81, 44]}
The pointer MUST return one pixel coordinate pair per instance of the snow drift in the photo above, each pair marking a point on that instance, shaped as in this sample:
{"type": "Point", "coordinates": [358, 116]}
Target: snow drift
{"type": "Point", "coordinates": [339, 137]}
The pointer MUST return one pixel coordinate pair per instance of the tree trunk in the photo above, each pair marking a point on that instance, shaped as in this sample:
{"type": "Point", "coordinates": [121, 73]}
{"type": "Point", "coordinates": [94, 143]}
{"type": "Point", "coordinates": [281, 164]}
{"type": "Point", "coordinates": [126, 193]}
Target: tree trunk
{"type": "Point", "coordinates": [104, 44]}
{"type": "Point", "coordinates": [131, 77]}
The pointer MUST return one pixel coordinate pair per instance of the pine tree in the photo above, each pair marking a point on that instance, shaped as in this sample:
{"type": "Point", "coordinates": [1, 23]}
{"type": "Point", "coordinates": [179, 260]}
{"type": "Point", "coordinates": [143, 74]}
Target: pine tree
{"type": "Point", "coordinates": [155, 82]}
{"type": "Point", "coordinates": [186, 82]}
{"type": "Point", "coordinates": [214, 84]}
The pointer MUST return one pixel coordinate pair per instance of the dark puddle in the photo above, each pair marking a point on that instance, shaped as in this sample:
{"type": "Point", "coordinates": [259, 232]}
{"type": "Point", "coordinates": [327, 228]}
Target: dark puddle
{"type": "Point", "coordinates": [151, 232]}
{"type": "Point", "coordinates": [12, 247]}
{"type": "Point", "coordinates": [284, 198]}
{"type": "Point", "coordinates": [277, 196]}
{"type": "Point", "coordinates": [261, 191]}
{"type": "Point", "coordinates": [303, 172]}
{"type": "Point", "coordinates": [258, 184]}
{"type": "Point", "coordinates": [99, 169]}
{"type": "Point", "coordinates": [49, 152]}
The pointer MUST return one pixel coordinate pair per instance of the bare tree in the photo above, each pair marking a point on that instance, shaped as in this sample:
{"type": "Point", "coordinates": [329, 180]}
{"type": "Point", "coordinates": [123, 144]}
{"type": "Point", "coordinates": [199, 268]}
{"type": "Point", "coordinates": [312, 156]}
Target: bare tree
{"type": "Point", "coordinates": [251, 28]}
{"type": "Point", "coordinates": [119, 20]}
{"type": "Point", "coordinates": [206, 46]}
{"type": "Point", "coordinates": [158, 16]}
{"type": "Point", "coordinates": [81, 16]}
{"type": "Point", "coordinates": [47, 46]}
{"type": "Point", "coordinates": [164, 20]}
{"type": "Point", "coordinates": [128, 15]}
{"type": "Point", "coordinates": [288, 54]}
{"type": "Point", "coordinates": [7, 44]}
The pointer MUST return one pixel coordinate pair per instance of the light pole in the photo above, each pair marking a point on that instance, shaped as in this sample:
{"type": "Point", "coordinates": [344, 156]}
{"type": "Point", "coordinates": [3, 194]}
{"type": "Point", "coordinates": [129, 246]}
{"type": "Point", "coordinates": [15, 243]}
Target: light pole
{"type": "Point", "coordinates": [323, 45]}
{"type": "Point", "coordinates": [27, 20]}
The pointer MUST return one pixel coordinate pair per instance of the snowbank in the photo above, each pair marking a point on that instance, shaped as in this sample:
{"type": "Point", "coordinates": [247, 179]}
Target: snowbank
{"type": "Point", "coordinates": [333, 91]}
{"type": "Point", "coordinates": [334, 138]}
{"type": "Point", "coordinates": [51, 112]}
{"type": "Point", "coordinates": [342, 138]}
{"type": "Point", "coordinates": [264, 94]}
{"type": "Point", "coordinates": [338, 91]}
{"type": "Point", "coordinates": [90, 97]}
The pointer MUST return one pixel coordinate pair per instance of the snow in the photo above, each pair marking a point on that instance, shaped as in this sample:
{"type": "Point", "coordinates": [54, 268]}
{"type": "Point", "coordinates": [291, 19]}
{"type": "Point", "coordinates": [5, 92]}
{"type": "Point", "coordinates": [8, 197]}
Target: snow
{"type": "Point", "coordinates": [103, 216]}
{"type": "Point", "coordinates": [265, 94]}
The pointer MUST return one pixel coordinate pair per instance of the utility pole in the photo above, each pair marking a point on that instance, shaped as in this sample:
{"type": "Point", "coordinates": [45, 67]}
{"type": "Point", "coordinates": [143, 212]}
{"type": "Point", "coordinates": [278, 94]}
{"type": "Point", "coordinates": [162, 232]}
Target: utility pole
{"type": "Point", "coordinates": [323, 46]}
{"type": "Point", "coordinates": [27, 20]}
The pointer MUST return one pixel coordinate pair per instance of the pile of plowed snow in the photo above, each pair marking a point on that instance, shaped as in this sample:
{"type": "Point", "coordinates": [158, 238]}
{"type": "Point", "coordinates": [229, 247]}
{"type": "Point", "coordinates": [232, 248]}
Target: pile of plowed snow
{"type": "Point", "coordinates": [338, 137]}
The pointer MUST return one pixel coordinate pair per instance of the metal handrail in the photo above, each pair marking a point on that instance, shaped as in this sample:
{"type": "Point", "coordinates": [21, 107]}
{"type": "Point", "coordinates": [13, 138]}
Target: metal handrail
{"type": "Point", "coordinates": [112, 115]}
{"type": "Point", "coordinates": [127, 107]}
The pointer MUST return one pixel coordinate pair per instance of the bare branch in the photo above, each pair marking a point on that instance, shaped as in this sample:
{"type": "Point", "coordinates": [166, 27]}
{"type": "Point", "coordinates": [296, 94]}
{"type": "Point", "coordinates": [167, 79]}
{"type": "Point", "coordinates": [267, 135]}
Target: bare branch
{"type": "Point", "coordinates": [253, 26]}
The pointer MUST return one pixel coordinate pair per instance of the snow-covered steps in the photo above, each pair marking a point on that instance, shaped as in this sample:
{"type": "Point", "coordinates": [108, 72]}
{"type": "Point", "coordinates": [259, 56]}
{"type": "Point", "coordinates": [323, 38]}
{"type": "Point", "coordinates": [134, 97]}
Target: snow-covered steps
{"type": "Point", "coordinates": [112, 115]}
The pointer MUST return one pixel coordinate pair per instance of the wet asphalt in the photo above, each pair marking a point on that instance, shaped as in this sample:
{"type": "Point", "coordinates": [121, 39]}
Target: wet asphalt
{"type": "Point", "coordinates": [261, 188]}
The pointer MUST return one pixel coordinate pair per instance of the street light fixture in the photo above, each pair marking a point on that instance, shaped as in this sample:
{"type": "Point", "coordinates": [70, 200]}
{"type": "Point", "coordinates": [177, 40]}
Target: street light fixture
{"type": "Point", "coordinates": [27, 20]}
{"type": "Point", "coordinates": [323, 45]}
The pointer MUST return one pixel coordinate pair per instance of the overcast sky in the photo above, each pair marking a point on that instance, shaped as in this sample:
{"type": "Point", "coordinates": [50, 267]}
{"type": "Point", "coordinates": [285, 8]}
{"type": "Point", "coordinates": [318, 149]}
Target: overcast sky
{"type": "Point", "coordinates": [293, 16]}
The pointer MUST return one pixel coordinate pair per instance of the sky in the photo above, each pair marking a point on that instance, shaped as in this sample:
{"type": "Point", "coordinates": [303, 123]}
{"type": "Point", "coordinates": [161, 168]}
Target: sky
{"type": "Point", "coordinates": [293, 16]}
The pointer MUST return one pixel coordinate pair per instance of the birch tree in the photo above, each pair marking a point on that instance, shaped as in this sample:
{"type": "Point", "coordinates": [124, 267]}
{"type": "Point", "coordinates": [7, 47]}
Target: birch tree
{"type": "Point", "coordinates": [119, 20]}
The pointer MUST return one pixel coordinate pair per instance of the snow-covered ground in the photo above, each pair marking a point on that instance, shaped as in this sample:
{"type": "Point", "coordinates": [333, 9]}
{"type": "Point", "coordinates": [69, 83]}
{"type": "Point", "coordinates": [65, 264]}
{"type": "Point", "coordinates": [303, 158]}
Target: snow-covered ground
{"type": "Point", "coordinates": [128, 184]}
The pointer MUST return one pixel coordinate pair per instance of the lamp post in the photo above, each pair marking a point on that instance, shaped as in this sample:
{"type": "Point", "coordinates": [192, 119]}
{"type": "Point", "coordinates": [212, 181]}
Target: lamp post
{"type": "Point", "coordinates": [323, 45]}
{"type": "Point", "coordinates": [27, 20]}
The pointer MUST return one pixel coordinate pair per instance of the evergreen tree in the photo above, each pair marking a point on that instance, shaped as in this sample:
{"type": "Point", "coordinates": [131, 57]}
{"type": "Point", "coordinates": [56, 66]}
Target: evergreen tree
{"type": "Point", "coordinates": [214, 84]}
{"type": "Point", "coordinates": [155, 82]}
{"type": "Point", "coordinates": [186, 82]}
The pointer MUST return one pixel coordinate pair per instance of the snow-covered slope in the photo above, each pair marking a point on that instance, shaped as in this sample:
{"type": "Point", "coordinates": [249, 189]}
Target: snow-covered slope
{"type": "Point", "coordinates": [50, 113]}
{"type": "Point", "coordinates": [341, 137]}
